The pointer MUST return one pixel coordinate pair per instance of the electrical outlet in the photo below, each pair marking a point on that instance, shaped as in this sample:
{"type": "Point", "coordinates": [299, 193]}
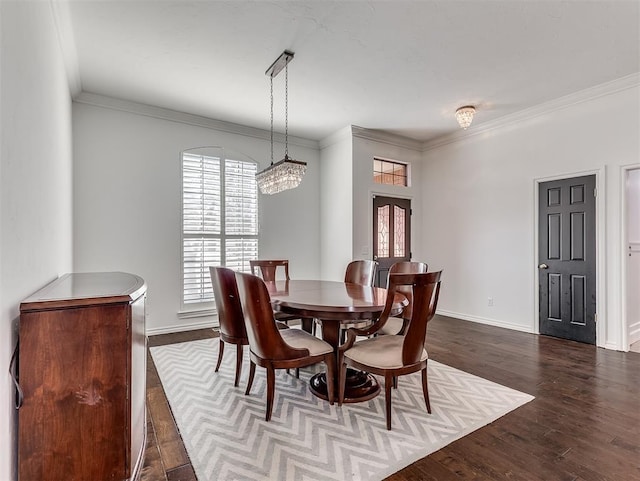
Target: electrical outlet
{"type": "Point", "coordinates": [490, 301]}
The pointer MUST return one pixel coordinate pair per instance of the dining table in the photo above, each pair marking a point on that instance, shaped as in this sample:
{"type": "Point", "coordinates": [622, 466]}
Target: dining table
{"type": "Point", "coordinates": [335, 305]}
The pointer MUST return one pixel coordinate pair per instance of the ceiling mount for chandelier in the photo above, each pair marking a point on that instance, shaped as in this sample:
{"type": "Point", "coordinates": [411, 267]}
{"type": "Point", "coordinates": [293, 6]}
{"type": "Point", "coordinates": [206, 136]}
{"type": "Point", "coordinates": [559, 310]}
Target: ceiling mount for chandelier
{"type": "Point", "coordinates": [286, 173]}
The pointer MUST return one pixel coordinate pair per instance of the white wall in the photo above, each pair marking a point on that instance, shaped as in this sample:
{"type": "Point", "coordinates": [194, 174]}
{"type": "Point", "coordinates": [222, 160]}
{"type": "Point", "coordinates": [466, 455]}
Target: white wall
{"type": "Point", "coordinates": [347, 191]}
{"type": "Point", "coordinates": [127, 202]}
{"type": "Point", "coordinates": [479, 215]}
{"type": "Point", "coordinates": [336, 212]}
{"type": "Point", "coordinates": [364, 188]}
{"type": "Point", "coordinates": [35, 180]}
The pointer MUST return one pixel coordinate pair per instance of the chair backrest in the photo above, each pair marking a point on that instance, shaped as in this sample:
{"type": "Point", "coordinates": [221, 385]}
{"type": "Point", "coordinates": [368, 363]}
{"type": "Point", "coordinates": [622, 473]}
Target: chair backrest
{"type": "Point", "coordinates": [225, 293]}
{"type": "Point", "coordinates": [265, 340]}
{"type": "Point", "coordinates": [361, 272]}
{"type": "Point", "coordinates": [426, 289]}
{"type": "Point", "coordinates": [407, 267]}
{"type": "Point", "coordinates": [266, 268]}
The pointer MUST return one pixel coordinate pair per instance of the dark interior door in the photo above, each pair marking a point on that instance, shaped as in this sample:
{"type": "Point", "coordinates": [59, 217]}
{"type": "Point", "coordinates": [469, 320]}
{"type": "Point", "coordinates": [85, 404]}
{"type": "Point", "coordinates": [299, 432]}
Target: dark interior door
{"type": "Point", "coordinates": [391, 234]}
{"type": "Point", "coordinates": [567, 258]}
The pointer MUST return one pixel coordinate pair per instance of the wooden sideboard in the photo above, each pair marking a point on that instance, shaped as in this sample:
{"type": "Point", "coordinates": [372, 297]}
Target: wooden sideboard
{"type": "Point", "coordinates": [82, 370]}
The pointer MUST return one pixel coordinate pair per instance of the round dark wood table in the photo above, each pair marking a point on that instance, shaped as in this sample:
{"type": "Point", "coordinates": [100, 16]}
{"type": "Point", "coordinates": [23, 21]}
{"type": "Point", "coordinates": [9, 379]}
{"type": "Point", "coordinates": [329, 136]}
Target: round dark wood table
{"type": "Point", "coordinates": [333, 304]}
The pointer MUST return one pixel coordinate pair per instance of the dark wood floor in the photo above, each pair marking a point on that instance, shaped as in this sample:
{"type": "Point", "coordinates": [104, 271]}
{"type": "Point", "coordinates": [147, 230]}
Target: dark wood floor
{"type": "Point", "coordinates": [584, 424]}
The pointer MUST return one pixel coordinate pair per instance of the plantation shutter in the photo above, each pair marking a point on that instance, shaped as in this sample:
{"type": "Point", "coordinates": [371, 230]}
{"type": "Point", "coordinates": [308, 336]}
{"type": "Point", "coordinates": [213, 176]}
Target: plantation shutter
{"type": "Point", "coordinates": [219, 218]}
{"type": "Point", "coordinates": [241, 214]}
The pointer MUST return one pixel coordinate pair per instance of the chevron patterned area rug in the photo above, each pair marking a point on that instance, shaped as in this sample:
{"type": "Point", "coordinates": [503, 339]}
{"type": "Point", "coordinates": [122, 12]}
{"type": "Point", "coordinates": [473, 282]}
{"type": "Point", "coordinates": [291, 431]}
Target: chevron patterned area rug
{"type": "Point", "coordinates": [227, 438]}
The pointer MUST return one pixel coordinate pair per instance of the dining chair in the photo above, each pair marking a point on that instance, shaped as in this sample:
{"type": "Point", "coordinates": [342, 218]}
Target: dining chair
{"type": "Point", "coordinates": [230, 316]}
{"type": "Point", "coordinates": [398, 323]}
{"type": "Point", "coordinates": [267, 270]}
{"type": "Point", "coordinates": [277, 349]}
{"type": "Point", "coordinates": [394, 355]}
{"type": "Point", "coordinates": [361, 272]}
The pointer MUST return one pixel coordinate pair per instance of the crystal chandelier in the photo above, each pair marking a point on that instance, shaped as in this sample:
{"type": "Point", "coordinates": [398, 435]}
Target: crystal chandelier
{"type": "Point", "coordinates": [287, 173]}
{"type": "Point", "coordinates": [464, 116]}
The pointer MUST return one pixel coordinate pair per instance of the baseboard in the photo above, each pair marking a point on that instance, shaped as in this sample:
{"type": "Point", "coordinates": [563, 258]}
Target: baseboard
{"type": "Point", "coordinates": [484, 320]}
{"type": "Point", "coordinates": [183, 327]}
{"type": "Point", "coordinates": [612, 346]}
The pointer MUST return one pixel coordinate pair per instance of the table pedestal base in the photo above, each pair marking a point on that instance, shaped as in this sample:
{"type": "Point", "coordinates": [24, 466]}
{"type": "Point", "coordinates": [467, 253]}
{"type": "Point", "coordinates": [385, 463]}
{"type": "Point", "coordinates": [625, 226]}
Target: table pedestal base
{"type": "Point", "coordinates": [360, 386]}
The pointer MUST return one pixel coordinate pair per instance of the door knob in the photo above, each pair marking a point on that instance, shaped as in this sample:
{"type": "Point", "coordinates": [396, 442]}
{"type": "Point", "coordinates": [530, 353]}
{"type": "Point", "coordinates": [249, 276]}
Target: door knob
{"type": "Point", "coordinates": [543, 266]}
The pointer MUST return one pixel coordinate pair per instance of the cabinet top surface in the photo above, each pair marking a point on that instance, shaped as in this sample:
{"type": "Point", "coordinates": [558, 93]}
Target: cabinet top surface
{"type": "Point", "coordinates": [80, 288]}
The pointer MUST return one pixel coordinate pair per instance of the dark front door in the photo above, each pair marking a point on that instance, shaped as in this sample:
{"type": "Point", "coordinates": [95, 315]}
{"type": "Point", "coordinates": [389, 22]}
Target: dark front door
{"type": "Point", "coordinates": [391, 234]}
{"type": "Point", "coordinates": [567, 258]}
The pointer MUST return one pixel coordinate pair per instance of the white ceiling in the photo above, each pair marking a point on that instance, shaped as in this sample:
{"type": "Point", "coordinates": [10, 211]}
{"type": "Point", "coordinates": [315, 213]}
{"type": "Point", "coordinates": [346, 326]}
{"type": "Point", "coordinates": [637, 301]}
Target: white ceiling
{"type": "Point", "coordinates": [400, 66]}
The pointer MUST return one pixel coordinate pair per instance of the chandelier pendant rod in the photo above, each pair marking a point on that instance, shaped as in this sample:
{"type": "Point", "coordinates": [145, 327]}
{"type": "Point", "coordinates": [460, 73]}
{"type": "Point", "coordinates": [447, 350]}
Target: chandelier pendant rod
{"type": "Point", "coordinates": [287, 173]}
{"type": "Point", "coordinates": [286, 110]}
{"type": "Point", "coordinates": [271, 120]}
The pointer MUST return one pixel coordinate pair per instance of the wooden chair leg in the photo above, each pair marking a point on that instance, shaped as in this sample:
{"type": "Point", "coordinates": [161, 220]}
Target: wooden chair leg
{"type": "Point", "coordinates": [220, 351]}
{"type": "Point", "coordinates": [342, 379]}
{"type": "Point", "coordinates": [425, 390]}
{"type": "Point", "coordinates": [297, 372]}
{"type": "Point", "coordinates": [271, 387]}
{"type": "Point", "coordinates": [388, 382]}
{"type": "Point", "coordinates": [317, 328]}
{"type": "Point", "coordinates": [395, 382]}
{"type": "Point", "coordinates": [239, 351]}
{"type": "Point", "coordinates": [252, 372]}
{"type": "Point", "coordinates": [330, 361]}
{"type": "Point", "coordinates": [308, 325]}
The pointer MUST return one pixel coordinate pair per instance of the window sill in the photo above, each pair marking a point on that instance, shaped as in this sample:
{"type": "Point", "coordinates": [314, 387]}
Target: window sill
{"type": "Point", "coordinates": [210, 312]}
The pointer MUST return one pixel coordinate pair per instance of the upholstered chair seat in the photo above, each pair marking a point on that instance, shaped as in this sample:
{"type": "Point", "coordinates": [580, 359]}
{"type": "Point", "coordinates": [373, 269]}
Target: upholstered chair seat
{"type": "Point", "coordinates": [302, 340]}
{"type": "Point", "coordinates": [381, 353]}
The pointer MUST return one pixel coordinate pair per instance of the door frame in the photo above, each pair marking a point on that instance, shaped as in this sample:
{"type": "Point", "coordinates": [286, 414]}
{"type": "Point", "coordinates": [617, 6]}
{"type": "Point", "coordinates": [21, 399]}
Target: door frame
{"type": "Point", "coordinates": [601, 308]}
{"type": "Point", "coordinates": [624, 170]}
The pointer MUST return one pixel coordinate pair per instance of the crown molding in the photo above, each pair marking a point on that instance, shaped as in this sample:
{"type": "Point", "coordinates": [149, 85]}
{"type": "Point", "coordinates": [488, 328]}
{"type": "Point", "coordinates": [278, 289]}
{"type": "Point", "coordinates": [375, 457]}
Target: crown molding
{"type": "Point", "coordinates": [591, 93]}
{"type": "Point", "coordinates": [336, 137]}
{"type": "Point", "coordinates": [608, 88]}
{"type": "Point", "coordinates": [62, 21]}
{"type": "Point", "coordinates": [386, 138]}
{"type": "Point", "coordinates": [113, 103]}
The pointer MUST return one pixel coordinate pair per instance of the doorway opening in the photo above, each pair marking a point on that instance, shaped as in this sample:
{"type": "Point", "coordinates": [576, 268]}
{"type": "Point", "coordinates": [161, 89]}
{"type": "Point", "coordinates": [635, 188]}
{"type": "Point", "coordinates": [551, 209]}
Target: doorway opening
{"type": "Point", "coordinates": [631, 256]}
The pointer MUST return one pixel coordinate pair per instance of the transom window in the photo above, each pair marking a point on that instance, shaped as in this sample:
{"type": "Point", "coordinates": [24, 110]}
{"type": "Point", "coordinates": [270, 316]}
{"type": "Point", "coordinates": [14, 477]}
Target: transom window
{"type": "Point", "coordinates": [390, 172]}
{"type": "Point", "coordinates": [219, 219]}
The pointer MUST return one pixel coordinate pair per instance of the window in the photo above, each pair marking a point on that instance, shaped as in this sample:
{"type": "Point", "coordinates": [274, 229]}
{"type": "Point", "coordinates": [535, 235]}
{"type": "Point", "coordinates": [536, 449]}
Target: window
{"type": "Point", "coordinates": [390, 172]}
{"type": "Point", "coordinates": [219, 219]}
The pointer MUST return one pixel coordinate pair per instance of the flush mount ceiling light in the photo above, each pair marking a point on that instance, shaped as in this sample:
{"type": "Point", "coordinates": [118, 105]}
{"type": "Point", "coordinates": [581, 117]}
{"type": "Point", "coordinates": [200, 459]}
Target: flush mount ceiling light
{"type": "Point", "coordinates": [464, 116]}
{"type": "Point", "coordinates": [287, 173]}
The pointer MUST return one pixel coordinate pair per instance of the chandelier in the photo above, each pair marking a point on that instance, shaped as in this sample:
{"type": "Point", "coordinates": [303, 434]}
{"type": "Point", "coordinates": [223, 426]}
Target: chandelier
{"type": "Point", "coordinates": [464, 116]}
{"type": "Point", "coordinates": [287, 173]}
